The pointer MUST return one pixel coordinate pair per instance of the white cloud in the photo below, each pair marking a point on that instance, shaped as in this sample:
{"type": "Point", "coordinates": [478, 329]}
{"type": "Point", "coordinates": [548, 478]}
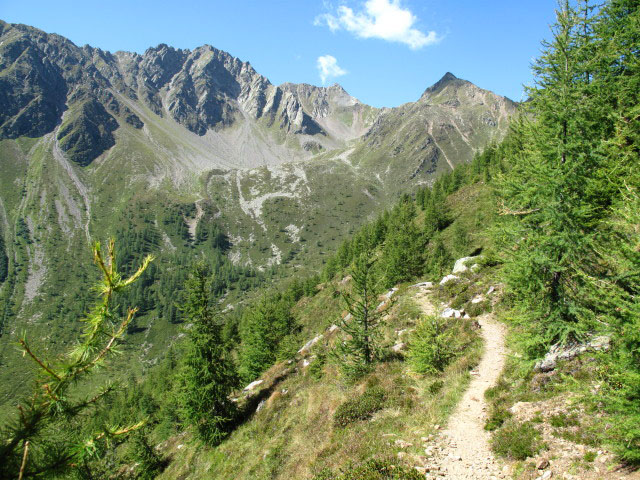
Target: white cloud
{"type": "Point", "coordinates": [384, 19]}
{"type": "Point", "coordinates": [328, 68]}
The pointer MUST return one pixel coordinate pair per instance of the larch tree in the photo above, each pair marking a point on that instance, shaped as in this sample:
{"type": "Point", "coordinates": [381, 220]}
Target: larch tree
{"type": "Point", "coordinates": [361, 346]}
{"type": "Point", "coordinates": [43, 440]}
{"type": "Point", "coordinates": [552, 199]}
{"type": "Point", "coordinates": [208, 375]}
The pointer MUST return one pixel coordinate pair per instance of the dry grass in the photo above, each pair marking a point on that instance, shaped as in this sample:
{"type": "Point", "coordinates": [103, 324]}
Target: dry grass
{"type": "Point", "coordinates": [294, 436]}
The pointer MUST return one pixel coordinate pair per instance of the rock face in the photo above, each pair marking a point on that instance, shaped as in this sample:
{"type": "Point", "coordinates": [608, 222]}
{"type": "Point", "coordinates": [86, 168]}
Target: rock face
{"type": "Point", "coordinates": [205, 89]}
{"type": "Point", "coordinates": [439, 130]}
{"type": "Point", "coordinates": [45, 75]}
{"type": "Point", "coordinates": [88, 133]}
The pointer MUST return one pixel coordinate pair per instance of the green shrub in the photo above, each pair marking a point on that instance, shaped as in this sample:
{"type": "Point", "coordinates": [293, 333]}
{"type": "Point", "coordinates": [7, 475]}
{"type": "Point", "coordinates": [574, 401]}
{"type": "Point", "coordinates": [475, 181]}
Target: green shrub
{"type": "Point", "coordinates": [590, 456]}
{"type": "Point", "coordinates": [477, 309]}
{"type": "Point", "coordinates": [453, 288]}
{"type": "Point", "coordinates": [497, 417]}
{"type": "Point", "coordinates": [435, 387]}
{"type": "Point", "coordinates": [461, 300]}
{"type": "Point", "coordinates": [360, 408]}
{"type": "Point", "coordinates": [431, 346]}
{"type": "Point", "coordinates": [317, 366]}
{"type": "Point", "coordinates": [517, 441]}
{"type": "Point", "coordinates": [373, 470]}
{"type": "Point", "coordinates": [562, 420]}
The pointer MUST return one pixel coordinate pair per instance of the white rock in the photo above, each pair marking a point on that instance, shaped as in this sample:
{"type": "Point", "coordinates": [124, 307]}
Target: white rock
{"type": "Point", "coordinates": [307, 346]}
{"type": "Point", "coordinates": [333, 328]}
{"type": "Point", "coordinates": [398, 347]}
{"type": "Point", "coordinates": [423, 285]}
{"type": "Point", "coordinates": [260, 406]}
{"type": "Point", "coordinates": [477, 299]}
{"type": "Point", "coordinates": [252, 385]}
{"type": "Point", "coordinates": [451, 313]}
{"type": "Point", "coordinates": [460, 267]}
{"type": "Point", "coordinates": [390, 293]}
{"type": "Point", "coordinates": [491, 290]}
{"type": "Point", "coordinates": [448, 278]}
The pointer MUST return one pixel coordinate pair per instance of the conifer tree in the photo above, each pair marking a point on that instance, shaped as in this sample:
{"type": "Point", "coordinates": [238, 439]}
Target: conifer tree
{"type": "Point", "coordinates": [208, 375]}
{"type": "Point", "coordinates": [403, 247]}
{"type": "Point", "coordinates": [42, 441]}
{"type": "Point", "coordinates": [361, 346]}
{"type": "Point", "coordinates": [552, 200]}
{"type": "Point", "coordinates": [262, 328]}
{"type": "Point", "coordinates": [617, 60]}
{"type": "Point", "coordinates": [440, 260]}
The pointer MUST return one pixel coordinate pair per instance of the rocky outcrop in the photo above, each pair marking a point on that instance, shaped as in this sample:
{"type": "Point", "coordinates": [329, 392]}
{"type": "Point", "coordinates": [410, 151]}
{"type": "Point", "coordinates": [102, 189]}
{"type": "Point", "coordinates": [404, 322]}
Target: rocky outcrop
{"type": "Point", "coordinates": [88, 132]}
{"type": "Point", "coordinates": [567, 352]}
{"type": "Point", "coordinates": [44, 75]}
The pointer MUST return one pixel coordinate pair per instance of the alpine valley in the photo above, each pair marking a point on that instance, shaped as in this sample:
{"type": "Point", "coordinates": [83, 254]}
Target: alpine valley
{"type": "Point", "coordinates": [205, 275]}
{"type": "Point", "coordinates": [183, 153]}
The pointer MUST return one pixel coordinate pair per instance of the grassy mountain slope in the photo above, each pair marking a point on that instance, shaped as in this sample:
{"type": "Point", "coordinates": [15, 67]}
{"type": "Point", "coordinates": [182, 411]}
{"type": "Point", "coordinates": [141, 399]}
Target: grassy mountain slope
{"type": "Point", "coordinates": [163, 149]}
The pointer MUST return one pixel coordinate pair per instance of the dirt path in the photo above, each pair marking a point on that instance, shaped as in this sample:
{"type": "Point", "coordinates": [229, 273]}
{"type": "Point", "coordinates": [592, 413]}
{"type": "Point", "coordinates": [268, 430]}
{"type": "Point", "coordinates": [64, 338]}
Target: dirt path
{"type": "Point", "coordinates": [462, 449]}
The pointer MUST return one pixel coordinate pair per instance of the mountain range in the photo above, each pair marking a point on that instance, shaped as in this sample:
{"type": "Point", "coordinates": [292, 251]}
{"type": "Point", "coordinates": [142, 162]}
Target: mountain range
{"type": "Point", "coordinates": [94, 143]}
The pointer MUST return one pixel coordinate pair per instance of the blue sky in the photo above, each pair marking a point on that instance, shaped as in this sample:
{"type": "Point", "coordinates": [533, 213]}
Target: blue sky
{"type": "Point", "coordinates": [384, 52]}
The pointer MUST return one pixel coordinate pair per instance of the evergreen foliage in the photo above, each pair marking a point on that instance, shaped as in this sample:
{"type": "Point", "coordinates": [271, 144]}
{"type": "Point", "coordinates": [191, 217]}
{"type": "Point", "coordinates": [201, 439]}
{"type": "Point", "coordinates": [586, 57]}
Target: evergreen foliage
{"type": "Point", "coordinates": [557, 194]}
{"type": "Point", "coordinates": [403, 247]}
{"type": "Point", "coordinates": [41, 441]}
{"type": "Point", "coordinates": [208, 375]}
{"type": "Point", "coordinates": [361, 346]}
{"type": "Point", "coordinates": [262, 329]}
{"type": "Point", "coordinates": [432, 345]}
{"type": "Point", "coordinates": [569, 200]}
{"type": "Point", "coordinates": [4, 261]}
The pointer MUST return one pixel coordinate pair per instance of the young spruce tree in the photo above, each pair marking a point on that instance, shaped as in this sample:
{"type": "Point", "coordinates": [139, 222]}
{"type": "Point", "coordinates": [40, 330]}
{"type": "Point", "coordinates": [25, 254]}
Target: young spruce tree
{"type": "Point", "coordinates": [361, 347]}
{"type": "Point", "coordinates": [208, 374]}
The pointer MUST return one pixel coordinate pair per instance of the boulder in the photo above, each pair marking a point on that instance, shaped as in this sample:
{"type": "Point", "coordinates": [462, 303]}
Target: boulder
{"type": "Point", "coordinates": [448, 278]}
{"type": "Point", "coordinates": [252, 385]}
{"type": "Point", "coordinates": [460, 265]}
{"type": "Point", "coordinates": [307, 346]}
{"type": "Point", "coordinates": [477, 299]}
{"type": "Point", "coordinates": [451, 313]}
{"type": "Point", "coordinates": [567, 352]}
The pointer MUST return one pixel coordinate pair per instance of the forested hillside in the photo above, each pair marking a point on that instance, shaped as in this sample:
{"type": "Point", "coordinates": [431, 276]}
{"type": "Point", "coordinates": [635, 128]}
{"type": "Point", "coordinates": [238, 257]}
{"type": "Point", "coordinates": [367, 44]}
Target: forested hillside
{"type": "Point", "coordinates": [344, 373]}
{"type": "Point", "coordinates": [191, 153]}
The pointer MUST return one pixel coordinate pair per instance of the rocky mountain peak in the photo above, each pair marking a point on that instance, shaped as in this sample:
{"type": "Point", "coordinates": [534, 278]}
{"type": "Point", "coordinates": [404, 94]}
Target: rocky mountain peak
{"type": "Point", "coordinates": [448, 80]}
